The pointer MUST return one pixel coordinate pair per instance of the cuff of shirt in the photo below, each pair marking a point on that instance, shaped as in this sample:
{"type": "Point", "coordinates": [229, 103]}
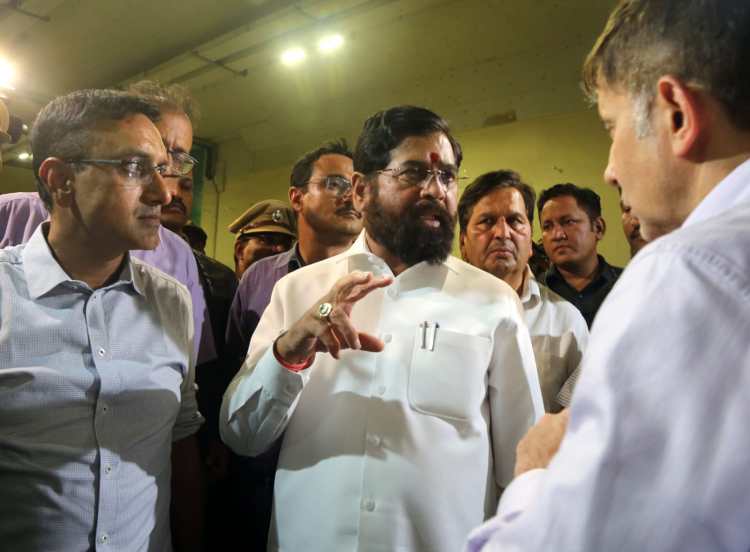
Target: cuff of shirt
{"type": "Point", "coordinates": [520, 494]}
{"type": "Point", "coordinates": [278, 382]}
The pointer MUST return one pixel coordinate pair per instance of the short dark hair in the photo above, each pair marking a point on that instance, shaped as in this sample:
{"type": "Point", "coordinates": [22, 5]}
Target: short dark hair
{"type": "Point", "coordinates": [385, 130]}
{"type": "Point", "coordinates": [303, 168]}
{"type": "Point", "coordinates": [587, 199]}
{"type": "Point", "coordinates": [701, 42]}
{"type": "Point", "coordinates": [172, 97]}
{"type": "Point", "coordinates": [489, 182]}
{"type": "Point", "coordinates": [64, 126]}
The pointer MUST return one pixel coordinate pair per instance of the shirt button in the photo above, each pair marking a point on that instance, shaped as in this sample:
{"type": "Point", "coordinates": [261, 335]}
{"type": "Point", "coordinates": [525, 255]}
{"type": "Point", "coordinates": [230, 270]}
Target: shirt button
{"type": "Point", "coordinates": [101, 352]}
{"type": "Point", "coordinates": [392, 292]}
{"type": "Point", "coordinates": [105, 408]}
{"type": "Point", "coordinates": [107, 469]}
{"type": "Point", "coordinates": [103, 538]}
{"type": "Point", "coordinates": [381, 390]}
{"type": "Point", "coordinates": [369, 505]}
{"type": "Point", "coordinates": [387, 338]}
{"type": "Point", "coordinates": [374, 440]}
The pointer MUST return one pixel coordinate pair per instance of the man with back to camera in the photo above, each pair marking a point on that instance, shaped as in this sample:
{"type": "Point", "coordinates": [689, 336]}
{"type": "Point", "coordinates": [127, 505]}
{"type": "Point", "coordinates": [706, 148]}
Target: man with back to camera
{"type": "Point", "coordinates": [572, 225]}
{"type": "Point", "coordinates": [265, 229]}
{"type": "Point", "coordinates": [495, 216]}
{"type": "Point", "coordinates": [407, 447]}
{"type": "Point", "coordinates": [321, 200]}
{"type": "Point", "coordinates": [656, 450]}
{"type": "Point", "coordinates": [101, 339]}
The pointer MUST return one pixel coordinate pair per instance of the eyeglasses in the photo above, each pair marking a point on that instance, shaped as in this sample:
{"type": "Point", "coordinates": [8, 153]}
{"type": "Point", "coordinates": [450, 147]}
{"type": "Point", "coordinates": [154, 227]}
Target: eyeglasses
{"type": "Point", "coordinates": [136, 168]}
{"type": "Point", "coordinates": [336, 184]}
{"type": "Point", "coordinates": [181, 163]}
{"type": "Point", "coordinates": [420, 176]}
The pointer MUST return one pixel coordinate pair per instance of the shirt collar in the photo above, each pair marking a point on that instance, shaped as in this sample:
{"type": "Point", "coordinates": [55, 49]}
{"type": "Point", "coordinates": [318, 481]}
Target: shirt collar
{"type": "Point", "coordinates": [531, 292]}
{"type": "Point", "coordinates": [289, 259]}
{"type": "Point", "coordinates": [43, 272]}
{"type": "Point", "coordinates": [733, 189]}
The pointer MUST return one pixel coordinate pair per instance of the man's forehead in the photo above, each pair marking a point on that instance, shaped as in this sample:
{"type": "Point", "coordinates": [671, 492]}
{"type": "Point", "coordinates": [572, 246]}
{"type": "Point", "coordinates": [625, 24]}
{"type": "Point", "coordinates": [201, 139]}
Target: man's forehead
{"type": "Point", "coordinates": [561, 206]}
{"type": "Point", "coordinates": [433, 148]}
{"type": "Point", "coordinates": [134, 132]}
{"type": "Point", "coordinates": [502, 201]}
{"type": "Point", "coordinates": [333, 163]}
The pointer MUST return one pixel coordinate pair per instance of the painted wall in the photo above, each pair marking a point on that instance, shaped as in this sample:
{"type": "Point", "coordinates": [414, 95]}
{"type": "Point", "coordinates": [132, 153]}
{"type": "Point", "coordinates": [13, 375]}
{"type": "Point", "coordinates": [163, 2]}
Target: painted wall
{"type": "Point", "coordinates": [564, 148]}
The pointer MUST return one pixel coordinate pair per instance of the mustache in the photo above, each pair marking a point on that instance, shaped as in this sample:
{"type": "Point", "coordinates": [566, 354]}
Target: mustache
{"type": "Point", "coordinates": [505, 244]}
{"type": "Point", "coordinates": [435, 208]}
{"type": "Point", "coordinates": [176, 202]}
{"type": "Point", "coordinates": [348, 209]}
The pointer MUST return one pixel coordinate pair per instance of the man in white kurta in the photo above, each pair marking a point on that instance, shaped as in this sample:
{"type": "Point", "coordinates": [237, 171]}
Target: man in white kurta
{"type": "Point", "coordinates": [495, 214]}
{"type": "Point", "coordinates": [406, 448]}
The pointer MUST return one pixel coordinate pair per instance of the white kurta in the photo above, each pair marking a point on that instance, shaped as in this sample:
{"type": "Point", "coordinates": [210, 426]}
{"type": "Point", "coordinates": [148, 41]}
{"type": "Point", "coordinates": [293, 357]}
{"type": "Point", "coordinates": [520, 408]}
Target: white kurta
{"type": "Point", "coordinates": [559, 336]}
{"type": "Point", "coordinates": [400, 450]}
{"type": "Point", "coordinates": [657, 450]}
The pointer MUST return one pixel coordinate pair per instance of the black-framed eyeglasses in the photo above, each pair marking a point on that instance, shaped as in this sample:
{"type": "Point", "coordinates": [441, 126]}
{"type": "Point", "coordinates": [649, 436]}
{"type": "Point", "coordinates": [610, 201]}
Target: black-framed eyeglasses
{"type": "Point", "coordinates": [335, 184]}
{"type": "Point", "coordinates": [181, 163]}
{"type": "Point", "coordinates": [136, 168]}
{"type": "Point", "coordinates": [421, 175]}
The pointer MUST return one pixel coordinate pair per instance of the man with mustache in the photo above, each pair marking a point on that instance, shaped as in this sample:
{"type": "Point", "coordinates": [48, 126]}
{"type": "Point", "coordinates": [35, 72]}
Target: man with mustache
{"type": "Point", "coordinates": [98, 404]}
{"type": "Point", "coordinates": [572, 225]}
{"type": "Point", "coordinates": [397, 379]}
{"type": "Point", "coordinates": [321, 198]}
{"type": "Point", "coordinates": [495, 215]}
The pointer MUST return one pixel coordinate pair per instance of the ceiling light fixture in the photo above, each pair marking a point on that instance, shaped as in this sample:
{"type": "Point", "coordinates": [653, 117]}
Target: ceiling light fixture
{"type": "Point", "coordinates": [330, 43]}
{"type": "Point", "coordinates": [293, 56]}
{"type": "Point", "coordinates": [7, 74]}
{"type": "Point", "coordinates": [24, 156]}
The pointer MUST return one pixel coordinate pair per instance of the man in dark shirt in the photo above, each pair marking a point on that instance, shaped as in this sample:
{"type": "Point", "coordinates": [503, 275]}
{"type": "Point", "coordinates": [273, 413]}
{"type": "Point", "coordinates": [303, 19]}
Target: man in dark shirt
{"type": "Point", "coordinates": [572, 225]}
{"type": "Point", "coordinates": [320, 193]}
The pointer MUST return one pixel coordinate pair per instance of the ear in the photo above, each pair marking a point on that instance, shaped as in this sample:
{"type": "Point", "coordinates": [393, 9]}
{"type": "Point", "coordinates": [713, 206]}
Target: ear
{"type": "Point", "coordinates": [239, 245]}
{"type": "Point", "coordinates": [58, 177]}
{"type": "Point", "coordinates": [600, 227]}
{"type": "Point", "coordinates": [462, 244]}
{"type": "Point", "coordinates": [295, 198]}
{"type": "Point", "coordinates": [682, 113]}
{"type": "Point", "coordinates": [360, 191]}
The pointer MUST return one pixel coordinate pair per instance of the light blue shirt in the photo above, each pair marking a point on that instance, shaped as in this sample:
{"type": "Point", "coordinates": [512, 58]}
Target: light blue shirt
{"type": "Point", "coordinates": [657, 450]}
{"type": "Point", "coordinates": [94, 387]}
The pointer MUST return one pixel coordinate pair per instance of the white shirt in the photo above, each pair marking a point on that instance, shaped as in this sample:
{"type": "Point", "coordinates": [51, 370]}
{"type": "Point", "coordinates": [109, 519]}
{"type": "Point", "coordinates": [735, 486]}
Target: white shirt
{"type": "Point", "coordinates": [657, 451]}
{"type": "Point", "coordinates": [558, 334]}
{"type": "Point", "coordinates": [405, 449]}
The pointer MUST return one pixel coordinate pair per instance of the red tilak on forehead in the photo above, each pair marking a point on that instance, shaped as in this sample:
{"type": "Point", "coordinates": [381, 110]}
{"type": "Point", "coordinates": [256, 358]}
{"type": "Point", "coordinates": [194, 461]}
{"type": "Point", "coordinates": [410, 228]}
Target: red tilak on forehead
{"type": "Point", "coordinates": [434, 157]}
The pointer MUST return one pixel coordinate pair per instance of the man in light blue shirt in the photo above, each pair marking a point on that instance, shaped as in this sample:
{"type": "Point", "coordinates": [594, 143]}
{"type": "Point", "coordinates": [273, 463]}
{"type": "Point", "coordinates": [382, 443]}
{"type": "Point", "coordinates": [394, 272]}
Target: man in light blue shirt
{"type": "Point", "coordinates": [96, 355]}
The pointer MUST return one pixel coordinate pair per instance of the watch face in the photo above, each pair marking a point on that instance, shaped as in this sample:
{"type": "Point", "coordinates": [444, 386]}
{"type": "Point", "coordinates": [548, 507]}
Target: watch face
{"type": "Point", "coordinates": [324, 310]}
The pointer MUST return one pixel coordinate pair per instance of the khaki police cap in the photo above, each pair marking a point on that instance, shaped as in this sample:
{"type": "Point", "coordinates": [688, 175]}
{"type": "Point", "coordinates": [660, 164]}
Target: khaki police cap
{"type": "Point", "coordinates": [270, 215]}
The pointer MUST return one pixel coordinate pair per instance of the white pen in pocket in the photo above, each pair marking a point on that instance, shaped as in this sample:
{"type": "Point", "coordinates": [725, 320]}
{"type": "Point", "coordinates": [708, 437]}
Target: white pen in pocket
{"type": "Point", "coordinates": [429, 335]}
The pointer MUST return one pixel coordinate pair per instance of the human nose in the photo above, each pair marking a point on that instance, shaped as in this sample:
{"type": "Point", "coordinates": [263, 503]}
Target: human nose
{"type": "Point", "coordinates": [609, 172]}
{"type": "Point", "coordinates": [159, 191]}
{"type": "Point", "coordinates": [432, 184]}
{"type": "Point", "coordinates": [558, 232]}
{"type": "Point", "coordinates": [501, 229]}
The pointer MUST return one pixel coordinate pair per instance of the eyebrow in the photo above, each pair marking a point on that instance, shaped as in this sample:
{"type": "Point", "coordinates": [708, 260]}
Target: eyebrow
{"type": "Point", "coordinates": [416, 163]}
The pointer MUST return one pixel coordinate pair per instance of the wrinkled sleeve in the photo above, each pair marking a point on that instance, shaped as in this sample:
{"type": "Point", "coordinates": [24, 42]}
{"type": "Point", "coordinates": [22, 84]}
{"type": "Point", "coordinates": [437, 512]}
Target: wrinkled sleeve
{"type": "Point", "coordinates": [189, 419]}
{"type": "Point", "coordinates": [656, 452]}
{"type": "Point", "coordinates": [515, 395]}
{"type": "Point", "coordinates": [262, 397]}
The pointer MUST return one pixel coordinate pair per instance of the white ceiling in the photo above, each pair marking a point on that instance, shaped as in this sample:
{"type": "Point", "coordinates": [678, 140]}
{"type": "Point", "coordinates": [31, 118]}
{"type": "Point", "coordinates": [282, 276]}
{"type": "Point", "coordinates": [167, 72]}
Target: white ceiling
{"type": "Point", "coordinates": [472, 61]}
